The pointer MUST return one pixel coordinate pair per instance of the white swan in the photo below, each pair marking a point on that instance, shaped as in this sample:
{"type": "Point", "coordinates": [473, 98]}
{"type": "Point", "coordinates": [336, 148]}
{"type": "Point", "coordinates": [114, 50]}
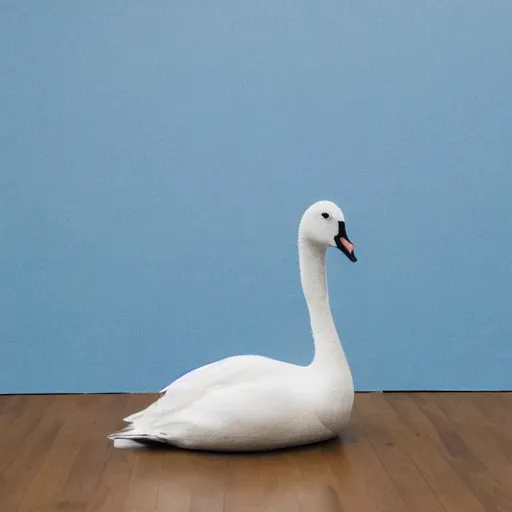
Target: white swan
{"type": "Point", "coordinates": [253, 402]}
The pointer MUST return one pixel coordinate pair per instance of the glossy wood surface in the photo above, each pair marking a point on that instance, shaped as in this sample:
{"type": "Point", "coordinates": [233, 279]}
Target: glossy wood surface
{"type": "Point", "coordinates": [403, 452]}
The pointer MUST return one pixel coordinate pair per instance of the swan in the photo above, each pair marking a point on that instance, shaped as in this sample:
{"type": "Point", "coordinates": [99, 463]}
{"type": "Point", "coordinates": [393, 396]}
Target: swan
{"type": "Point", "coordinates": [251, 402]}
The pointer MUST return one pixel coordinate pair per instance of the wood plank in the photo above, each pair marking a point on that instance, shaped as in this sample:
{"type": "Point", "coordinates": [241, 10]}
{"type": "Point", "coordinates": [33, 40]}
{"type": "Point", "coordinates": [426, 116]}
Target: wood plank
{"type": "Point", "coordinates": [243, 483]}
{"type": "Point", "coordinates": [111, 489]}
{"type": "Point", "coordinates": [144, 480]}
{"type": "Point", "coordinates": [278, 484]}
{"type": "Point", "coordinates": [75, 415]}
{"type": "Point", "coordinates": [400, 413]}
{"type": "Point", "coordinates": [464, 461]}
{"type": "Point", "coordinates": [89, 460]}
{"type": "Point", "coordinates": [26, 412]}
{"type": "Point", "coordinates": [478, 433]}
{"type": "Point", "coordinates": [23, 460]}
{"type": "Point", "coordinates": [496, 410]}
{"type": "Point", "coordinates": [387, 443]}
{"type": "Point", "coordinates": [208, 485]}
{"type": "Point", "coordinates": [315, 474]}
{"type": "Point", "coordinates": [175, 481]}
{"type": "Point", "coordinates": [361, 481]}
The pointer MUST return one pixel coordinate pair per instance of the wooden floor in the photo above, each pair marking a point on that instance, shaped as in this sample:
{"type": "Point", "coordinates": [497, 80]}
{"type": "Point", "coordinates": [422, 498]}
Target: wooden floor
{"type": "Point", "coordinates": [403, 452]}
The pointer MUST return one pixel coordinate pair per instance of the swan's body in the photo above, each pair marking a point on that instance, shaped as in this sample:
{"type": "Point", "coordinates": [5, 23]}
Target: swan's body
{"type": "Point", "coordinates": [254, 402]}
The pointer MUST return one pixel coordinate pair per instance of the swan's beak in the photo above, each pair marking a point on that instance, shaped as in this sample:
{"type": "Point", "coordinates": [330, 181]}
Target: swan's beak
{"type": "Point", "coordinates": [343, 243]}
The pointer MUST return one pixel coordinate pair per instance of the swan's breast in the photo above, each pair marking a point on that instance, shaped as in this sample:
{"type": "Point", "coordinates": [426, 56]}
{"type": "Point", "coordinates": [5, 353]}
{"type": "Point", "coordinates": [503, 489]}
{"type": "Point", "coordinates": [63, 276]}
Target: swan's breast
{"type": "Point", "coordinates": [334, 400]}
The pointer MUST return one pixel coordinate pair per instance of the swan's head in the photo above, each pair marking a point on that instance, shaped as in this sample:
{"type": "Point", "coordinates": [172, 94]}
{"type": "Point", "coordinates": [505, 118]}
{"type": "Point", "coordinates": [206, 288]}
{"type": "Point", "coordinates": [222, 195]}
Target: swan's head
{"type": "Point", "coordinates": [323, 224]}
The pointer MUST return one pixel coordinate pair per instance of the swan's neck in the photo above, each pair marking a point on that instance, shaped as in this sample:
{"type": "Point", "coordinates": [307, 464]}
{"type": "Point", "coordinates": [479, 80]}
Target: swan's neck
{"type": "Point", "coordinates": [328, 349]}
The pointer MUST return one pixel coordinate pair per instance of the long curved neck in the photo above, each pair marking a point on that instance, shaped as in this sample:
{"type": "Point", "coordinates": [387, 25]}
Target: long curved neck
{"type": "Point", "coordinates": [328, 350]}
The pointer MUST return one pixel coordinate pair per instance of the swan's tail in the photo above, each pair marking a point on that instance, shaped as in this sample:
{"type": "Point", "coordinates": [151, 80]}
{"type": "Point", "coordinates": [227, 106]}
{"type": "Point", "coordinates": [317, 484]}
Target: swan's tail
{"type": "Point", "coordinates": [137, 435]}
{"type": "Point", "coordinates": [126, 443]}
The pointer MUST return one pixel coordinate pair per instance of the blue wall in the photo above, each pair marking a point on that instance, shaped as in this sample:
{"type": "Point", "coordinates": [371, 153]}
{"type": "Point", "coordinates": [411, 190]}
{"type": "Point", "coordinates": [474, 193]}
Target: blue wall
{"type": "Point", "coordinates": [156, 157]}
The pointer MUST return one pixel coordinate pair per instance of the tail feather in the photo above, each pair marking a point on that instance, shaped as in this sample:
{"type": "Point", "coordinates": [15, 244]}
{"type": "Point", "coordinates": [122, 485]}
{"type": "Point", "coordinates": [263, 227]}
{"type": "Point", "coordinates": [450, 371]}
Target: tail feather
{"type": "Point", "coordinates": [130, 433]}
{"type": "Point", "coordinates": [126, 443]}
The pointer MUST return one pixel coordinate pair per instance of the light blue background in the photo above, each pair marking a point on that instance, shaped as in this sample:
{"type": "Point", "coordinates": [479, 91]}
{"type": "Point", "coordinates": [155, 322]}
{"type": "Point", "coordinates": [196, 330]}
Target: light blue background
{"type": "Point", "coordinates": [156, 158]}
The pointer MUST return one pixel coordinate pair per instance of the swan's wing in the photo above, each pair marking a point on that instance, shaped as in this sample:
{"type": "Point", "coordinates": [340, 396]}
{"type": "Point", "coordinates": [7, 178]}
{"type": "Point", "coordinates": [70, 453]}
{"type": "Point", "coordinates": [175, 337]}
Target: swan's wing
{"type": "Point", "coordinates": [257, 414]}
{"type": "Point", "coordinates": [196, 384]}
{"type": "Point", "coordinates": [221, 371]}
{"type": "Point", "coordinates": [244, 402]}
{"type": "Point", "coordinates": [264, 407]}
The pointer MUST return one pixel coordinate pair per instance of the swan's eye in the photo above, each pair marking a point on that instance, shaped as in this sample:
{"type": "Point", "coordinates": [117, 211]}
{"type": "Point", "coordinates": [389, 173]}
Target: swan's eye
{"type": "Point", "coordinates": [325, 215]}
